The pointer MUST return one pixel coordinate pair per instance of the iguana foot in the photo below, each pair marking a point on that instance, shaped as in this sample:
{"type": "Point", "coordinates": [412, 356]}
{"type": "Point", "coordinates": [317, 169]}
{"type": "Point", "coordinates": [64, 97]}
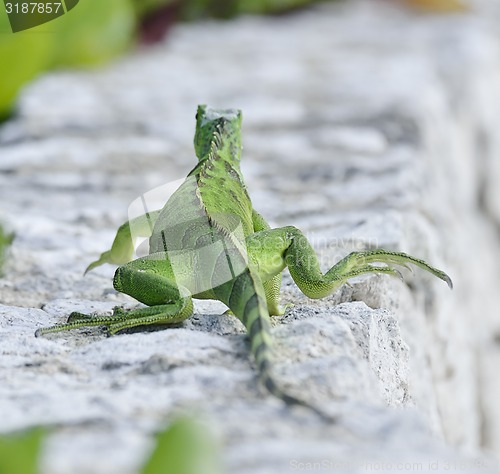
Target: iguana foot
{"type": "Point", "coordinates": [359, 262]}
{"type": "Point", "coordinates": [120, 319]}
{"type": "Point", "coordinates": [79, 320]}
{"type": "Point", "coordinates": [280, 310]}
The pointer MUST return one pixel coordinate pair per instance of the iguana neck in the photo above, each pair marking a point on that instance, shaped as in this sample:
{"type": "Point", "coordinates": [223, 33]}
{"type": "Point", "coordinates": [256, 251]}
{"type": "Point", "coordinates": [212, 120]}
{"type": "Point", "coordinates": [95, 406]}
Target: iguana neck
{"type": "Point", "coordinates": [223, 153]}
{"type": "Point", "coordinates": [221, 188]}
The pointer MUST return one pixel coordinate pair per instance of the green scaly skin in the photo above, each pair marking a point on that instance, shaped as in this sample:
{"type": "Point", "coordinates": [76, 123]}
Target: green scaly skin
{"type": "Point", "coordinates": [209, 243]}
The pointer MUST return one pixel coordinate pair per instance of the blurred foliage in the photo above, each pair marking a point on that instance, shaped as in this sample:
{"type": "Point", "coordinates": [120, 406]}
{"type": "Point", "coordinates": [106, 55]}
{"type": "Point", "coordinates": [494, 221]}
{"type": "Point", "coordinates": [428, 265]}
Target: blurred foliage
{"type": "Point", "coordinates": [143, 7]}
{"type": "Point", "coordinates": [89, 35]}
{"type": "Point", "coordinates": [97, 30]}
{"type": "Point", "coordinates": [186, 447]}
{"type": "Point", "coordinates": [5, 240]}
{"type": "Point", "coordinates": [93, 33]}
{"type": "Point", "coordinates": [194, 9]}
{"type": "Point", "coordinates": [438, 6]}
{"type": "Point", "coordinates": [35, 49]}
{"type": "Point", "coordinates": [19, 454]}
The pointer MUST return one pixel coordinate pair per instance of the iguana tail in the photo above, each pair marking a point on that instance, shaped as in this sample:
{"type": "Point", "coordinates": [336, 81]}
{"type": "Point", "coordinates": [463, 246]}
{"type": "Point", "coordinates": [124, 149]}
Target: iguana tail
{"type": "Point", "coordinates": [247, 301]}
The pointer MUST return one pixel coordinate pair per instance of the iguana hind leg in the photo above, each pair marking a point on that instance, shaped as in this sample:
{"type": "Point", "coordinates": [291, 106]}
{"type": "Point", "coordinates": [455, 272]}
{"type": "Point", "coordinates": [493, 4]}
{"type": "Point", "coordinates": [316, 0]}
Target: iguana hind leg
{"type": "Point", "coordinates": [150, 280]}
{"type": "Point", "coordinates": [163, 314]}
{"type": "Point", "coordinates": [168, 303]}
{"type": "Point", "coordinates": [173, 313]}
{"type": "Point", "coordinates": [271, 251]}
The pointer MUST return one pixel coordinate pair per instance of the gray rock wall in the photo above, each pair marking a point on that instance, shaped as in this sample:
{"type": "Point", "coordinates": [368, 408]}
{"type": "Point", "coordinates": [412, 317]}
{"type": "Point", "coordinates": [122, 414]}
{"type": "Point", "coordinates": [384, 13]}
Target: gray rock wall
{"type": "Point", "coordinates": [364, 125]}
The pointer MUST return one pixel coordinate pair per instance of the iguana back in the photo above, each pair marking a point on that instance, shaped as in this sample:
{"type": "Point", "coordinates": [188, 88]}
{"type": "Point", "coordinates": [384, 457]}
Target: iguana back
{"type": "Point", "coordinates": [209, 242]}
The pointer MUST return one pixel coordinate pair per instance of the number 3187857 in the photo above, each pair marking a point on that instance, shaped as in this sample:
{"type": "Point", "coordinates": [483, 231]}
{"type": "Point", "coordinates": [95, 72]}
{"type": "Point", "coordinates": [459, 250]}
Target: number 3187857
{"type": "Point", "coordinates": [33, 7]}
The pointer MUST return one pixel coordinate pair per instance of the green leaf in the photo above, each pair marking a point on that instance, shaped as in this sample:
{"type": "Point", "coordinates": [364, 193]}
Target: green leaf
{"type": "Point", "coordinates": [23, 55]}
{"type": "Point", "coordinates": [186, 447]}
{"type": "Point", "coordinates": [439, 6]}
{"type": "Point", "coordinates": [93, 32]}
{"type": "Point", "coordinates": [20, 453]}
{"type": "Point", "coordinates": [5, 241]}
{"type": "Point", "coordinates": [144, 7]}
{"type": "Point", "coordinates": [89, 34]}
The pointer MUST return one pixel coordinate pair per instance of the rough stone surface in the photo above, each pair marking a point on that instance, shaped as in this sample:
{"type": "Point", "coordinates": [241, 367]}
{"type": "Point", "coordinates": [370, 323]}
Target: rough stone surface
{"type": "Point", "coordinates": [364, 125]}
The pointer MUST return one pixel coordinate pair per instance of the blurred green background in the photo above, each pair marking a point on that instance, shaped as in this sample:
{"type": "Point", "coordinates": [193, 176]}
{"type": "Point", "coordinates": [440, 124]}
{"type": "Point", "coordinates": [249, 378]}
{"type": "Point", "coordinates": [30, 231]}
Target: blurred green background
{"type": "Point", "coordinates": [96, 31]}
{"type": "Point", "coordinates": [186, 446]}
{"type": "Point", "coordinates": [6, 239]}
{"type": "Point", "coordinates": [90, 34]}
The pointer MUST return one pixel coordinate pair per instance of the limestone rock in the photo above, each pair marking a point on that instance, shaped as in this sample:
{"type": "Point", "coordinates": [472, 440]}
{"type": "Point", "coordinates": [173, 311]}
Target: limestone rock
{"type": "Point", "coordinates": [364, 126]}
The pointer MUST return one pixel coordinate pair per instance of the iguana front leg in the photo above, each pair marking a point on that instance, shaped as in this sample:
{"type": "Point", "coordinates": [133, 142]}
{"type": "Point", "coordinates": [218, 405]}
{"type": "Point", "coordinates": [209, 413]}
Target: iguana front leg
{"type": "Point", "coordinates": [270, 251]}
{"type": "Point", "coordinates": [122, 249]}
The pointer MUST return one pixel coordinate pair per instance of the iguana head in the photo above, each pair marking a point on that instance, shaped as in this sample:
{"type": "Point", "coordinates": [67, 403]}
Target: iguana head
{"type": "Point", "coordinates": [211, 124]}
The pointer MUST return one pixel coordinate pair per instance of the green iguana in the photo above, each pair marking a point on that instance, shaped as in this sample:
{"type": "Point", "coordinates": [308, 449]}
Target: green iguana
{"type": "Point", "coordinates": [209, 243]}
